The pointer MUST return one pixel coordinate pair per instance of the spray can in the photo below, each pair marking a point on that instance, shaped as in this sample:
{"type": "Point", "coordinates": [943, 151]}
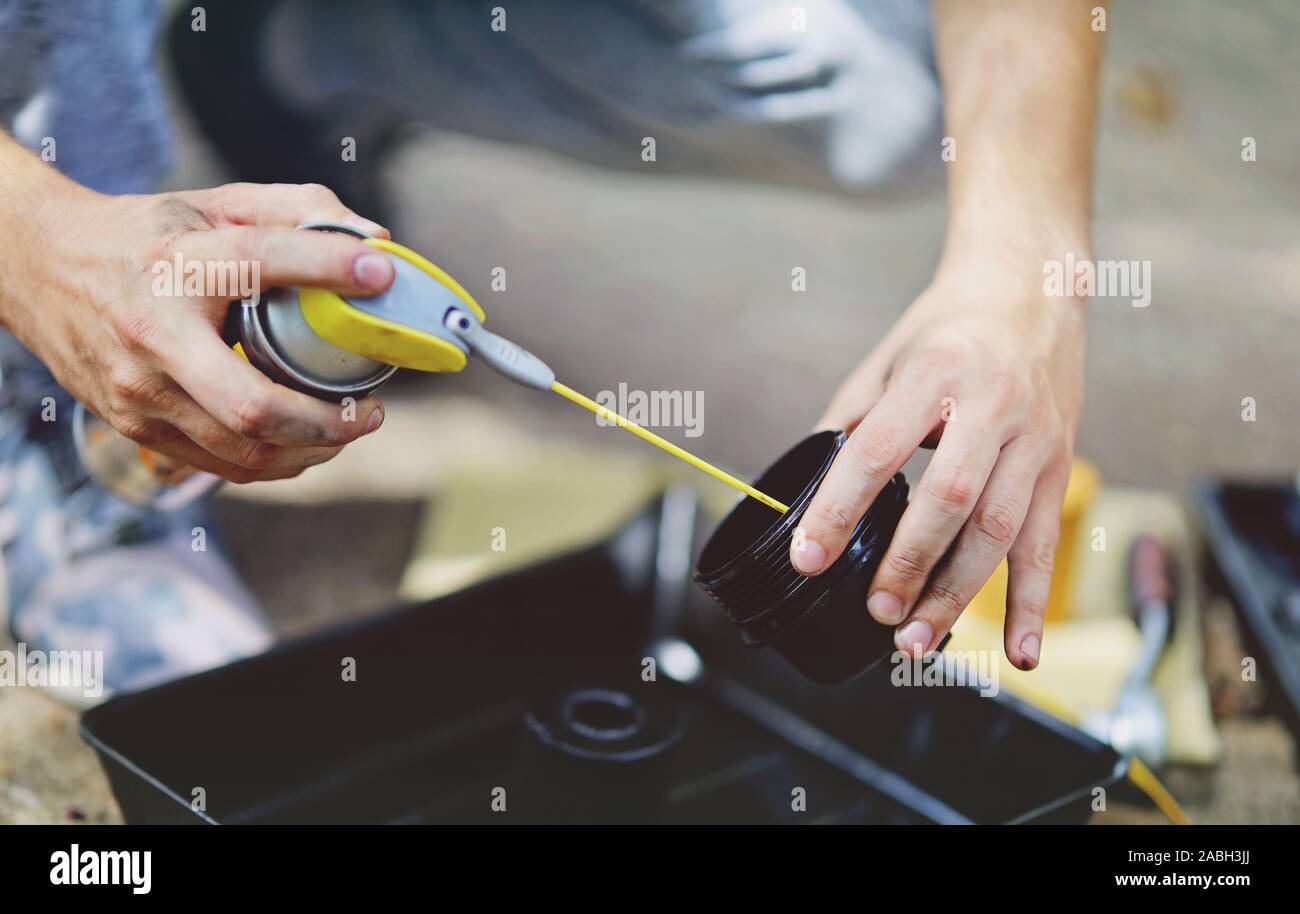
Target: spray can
{"type": "Point", "coordinates": [335, 348]}
{"type": "Point", "coordinates": [274, 335]}
{"type": "Point", "coordinates": [312, 340]}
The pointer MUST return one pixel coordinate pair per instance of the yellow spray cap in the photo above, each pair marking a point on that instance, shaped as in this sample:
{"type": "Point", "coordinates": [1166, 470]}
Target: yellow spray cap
{"type": "Point", "coordinates": [403, 326]}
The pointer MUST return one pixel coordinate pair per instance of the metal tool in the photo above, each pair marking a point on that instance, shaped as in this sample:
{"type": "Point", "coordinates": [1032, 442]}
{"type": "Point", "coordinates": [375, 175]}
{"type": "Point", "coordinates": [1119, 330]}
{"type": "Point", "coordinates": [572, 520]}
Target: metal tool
{"type": "Point", "coordinates": [1136, 724]}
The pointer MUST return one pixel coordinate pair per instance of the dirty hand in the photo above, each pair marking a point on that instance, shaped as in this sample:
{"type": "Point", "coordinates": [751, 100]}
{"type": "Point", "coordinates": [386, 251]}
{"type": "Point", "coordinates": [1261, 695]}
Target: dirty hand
{"type": "Point", "coordinates": [83, 293]}
{"type": "Point", "coordinates": [989, 368]}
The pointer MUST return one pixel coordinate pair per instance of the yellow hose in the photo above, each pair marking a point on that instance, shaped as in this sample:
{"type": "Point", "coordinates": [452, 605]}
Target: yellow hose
{"type": "Point", "coordinates": [1144, 779]}
{"type": "Point", "coordinates": [610, 416]}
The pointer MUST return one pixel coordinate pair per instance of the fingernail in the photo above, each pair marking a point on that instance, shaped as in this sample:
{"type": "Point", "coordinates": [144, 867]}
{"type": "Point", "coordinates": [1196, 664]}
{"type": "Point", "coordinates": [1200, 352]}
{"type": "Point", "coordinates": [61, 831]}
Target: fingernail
{"type": "Point", "coordinates": [805, 555]}
{"type": "Point", "coordinates": [914, 637]}
{"type": "Point", "coordinates": [372, 270]}
{"type": "Point", "coordinates": [370, 228]}
{"type": "Point", "coordinates": [376, 419]}
{"type": "Point", "coordinates": [1030, 647]}
{"type": "Point", "coordinates": [885, 607]}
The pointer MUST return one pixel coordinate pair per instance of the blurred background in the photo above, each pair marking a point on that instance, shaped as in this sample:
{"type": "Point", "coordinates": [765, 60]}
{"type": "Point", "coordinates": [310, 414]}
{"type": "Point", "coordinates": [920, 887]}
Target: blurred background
{"type": "Point", "coordinates": [671, 282]}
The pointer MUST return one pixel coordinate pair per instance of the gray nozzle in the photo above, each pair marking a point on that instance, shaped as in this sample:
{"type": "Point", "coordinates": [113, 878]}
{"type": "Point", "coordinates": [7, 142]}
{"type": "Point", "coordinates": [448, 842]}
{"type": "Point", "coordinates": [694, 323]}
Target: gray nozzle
{"type": "Point", "coordinates": [515, 362]}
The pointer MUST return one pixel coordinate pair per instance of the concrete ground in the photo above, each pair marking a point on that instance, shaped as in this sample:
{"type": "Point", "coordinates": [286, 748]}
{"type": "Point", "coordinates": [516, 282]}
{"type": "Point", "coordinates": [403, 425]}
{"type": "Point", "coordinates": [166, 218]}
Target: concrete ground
{"type": "Point", "coordinates": [684, 284]}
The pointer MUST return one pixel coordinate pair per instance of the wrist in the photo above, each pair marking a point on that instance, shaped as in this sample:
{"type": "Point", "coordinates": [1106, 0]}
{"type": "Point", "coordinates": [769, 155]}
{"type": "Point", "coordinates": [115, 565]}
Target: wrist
{"type": "Point", "coordinates": [33, 209]}
{"type": "Point", "coordinates": [1025, 242]}
{"type": "Point", "coordinates": [1015, 260]}
{"type": "Point", "coordinates": [1005, 286]}
{"type": "Point", "coordinates": [47, 227]}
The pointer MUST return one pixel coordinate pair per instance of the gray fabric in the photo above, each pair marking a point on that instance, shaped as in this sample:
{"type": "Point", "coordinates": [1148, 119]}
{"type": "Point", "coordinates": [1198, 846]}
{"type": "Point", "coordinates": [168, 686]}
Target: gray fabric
{"type": "Point", "coordinates": [81, 73]}
{"type": "Point", "coordinates": [590, 78]}
{"type": "Point", "coordinates": [586, 78]}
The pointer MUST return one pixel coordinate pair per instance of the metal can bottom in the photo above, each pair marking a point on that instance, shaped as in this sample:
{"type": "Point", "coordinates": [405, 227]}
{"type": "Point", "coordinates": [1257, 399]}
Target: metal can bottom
{"type": "Point", "coordinates": [277, 341]}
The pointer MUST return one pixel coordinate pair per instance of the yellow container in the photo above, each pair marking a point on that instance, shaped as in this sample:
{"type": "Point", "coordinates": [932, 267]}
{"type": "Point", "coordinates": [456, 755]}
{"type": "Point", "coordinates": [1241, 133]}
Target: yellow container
{"type": "Point", "coordinates": [991, 601]}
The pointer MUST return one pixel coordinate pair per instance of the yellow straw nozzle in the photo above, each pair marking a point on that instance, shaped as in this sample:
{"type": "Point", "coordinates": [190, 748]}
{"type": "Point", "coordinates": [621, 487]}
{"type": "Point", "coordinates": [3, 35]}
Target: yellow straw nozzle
{"type": "Point", "coordinates": [610, 416]}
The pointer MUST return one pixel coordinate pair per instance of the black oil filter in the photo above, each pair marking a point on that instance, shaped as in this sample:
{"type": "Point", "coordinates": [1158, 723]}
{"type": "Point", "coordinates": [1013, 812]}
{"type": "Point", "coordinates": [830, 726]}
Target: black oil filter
{"type": "Point", "coordinates": [819, 624]}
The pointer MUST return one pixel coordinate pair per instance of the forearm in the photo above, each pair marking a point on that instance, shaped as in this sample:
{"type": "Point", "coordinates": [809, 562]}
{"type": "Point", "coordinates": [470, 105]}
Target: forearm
{"type": "Point", "coordinates": [30, 190]}
{"type": "Point", "coordinates": [985, 364]}
{"type": "Point", "coordinates": [1020, 82]}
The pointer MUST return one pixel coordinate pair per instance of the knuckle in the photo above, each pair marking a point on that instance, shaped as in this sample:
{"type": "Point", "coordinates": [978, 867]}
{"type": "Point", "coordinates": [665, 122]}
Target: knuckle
{"type": "Point", "coordinates": [253, 416]}
{"type": "Point", "coordinates": [130, 386]}
{"type": "Point", "coordinates": [255, 455]}
{"type": "Point", "coordinates": [1039, 556]}
{"type": "Point", "coordinates": [138, 428]}
{"type": "Point", "coordinates": [952, 489]}
{"type": "Point", "coordinates": [947, 596]}
{"type": "Point", "coordinates": [996, 521]}
{"type": "Point", "coordinates": [319, 193]}
{"type": "Point", "coordinates": [906, 562]}
{"type": "Point", "coordinates": [834, 517]}
{"type": "Point", "coordinates": [873, 452]}
{"type": "Point", "coordinates": [1044, 557]}
{"type": "Point", "coordinates": [138, 333]}
{"type": "Point", "coordinates": [173, 215]}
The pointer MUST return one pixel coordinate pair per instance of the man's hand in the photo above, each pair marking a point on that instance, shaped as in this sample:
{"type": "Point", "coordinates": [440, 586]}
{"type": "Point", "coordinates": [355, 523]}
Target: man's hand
{"type": "Point", "coordinates": [77, 287]}
{"type": "Point", "coordinates": [984, 362]}
{"type": "Point", "coordinates": [990, 369]}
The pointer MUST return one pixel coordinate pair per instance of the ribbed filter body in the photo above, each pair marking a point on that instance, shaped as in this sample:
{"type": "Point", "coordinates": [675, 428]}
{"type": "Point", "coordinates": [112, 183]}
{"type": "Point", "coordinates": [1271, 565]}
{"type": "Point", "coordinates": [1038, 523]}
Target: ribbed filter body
{"type": "Point", "coordinates": [820, 624]}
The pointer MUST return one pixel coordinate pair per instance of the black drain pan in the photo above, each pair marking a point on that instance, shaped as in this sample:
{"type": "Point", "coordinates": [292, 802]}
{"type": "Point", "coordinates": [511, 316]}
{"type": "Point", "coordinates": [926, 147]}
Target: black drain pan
{"type": "Point", "coordinates": [434, 728]}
